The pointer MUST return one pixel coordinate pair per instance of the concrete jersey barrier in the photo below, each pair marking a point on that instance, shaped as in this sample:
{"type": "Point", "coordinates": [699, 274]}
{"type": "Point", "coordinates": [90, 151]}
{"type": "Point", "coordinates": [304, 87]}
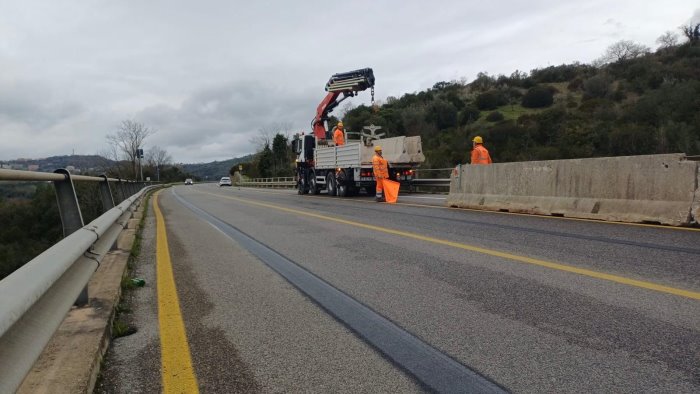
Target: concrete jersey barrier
{"type": "Point", "coordinates": [651, 188]}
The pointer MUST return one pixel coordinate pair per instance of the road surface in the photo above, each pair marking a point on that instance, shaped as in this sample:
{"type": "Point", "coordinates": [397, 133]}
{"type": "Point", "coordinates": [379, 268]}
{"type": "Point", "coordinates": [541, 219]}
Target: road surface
{"type": "Point", "coordinates": [273, 289]}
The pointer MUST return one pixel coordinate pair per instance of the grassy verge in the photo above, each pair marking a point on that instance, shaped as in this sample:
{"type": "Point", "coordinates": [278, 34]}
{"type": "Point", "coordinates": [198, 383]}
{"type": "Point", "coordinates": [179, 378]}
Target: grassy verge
{"type": "Point", "coordinates": [120, 327]}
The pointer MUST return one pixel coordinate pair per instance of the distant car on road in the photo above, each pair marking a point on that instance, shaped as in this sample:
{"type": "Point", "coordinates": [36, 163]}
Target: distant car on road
{"type": "Point", "coordinates": [188, 181]}
{"type": "Point", "coordinates": [225, 181]}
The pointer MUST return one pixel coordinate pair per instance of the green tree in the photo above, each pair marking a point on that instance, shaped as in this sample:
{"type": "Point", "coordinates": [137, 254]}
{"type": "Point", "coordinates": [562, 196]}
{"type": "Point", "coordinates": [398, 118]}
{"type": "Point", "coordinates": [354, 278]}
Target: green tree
{"type": "Point", "coordinates": [265, 162]}
{"type": "Point", "coordinates": [280, 156]}
{"type": "Point", "coordinates": [442, 114]}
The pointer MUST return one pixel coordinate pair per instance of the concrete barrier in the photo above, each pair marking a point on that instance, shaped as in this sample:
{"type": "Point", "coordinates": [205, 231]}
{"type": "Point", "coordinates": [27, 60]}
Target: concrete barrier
{"type": "Point", "coordinates": [652, 188]}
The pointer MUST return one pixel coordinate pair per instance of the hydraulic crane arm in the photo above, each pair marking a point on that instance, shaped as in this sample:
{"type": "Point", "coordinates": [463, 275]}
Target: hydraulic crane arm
{"type": "Point", "coordinates": [345, 84]}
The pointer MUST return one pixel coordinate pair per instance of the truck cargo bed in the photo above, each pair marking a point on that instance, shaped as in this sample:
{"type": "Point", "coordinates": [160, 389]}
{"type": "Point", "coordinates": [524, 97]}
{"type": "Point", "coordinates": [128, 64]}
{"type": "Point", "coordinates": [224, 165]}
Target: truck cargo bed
{"type": "Point", "coordinates": [396, 150]}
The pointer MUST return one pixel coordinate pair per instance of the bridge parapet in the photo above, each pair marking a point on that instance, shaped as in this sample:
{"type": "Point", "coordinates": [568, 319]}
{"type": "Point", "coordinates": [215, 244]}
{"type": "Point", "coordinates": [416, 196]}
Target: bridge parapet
{"type": "Point", "coordinates": [35, 298]}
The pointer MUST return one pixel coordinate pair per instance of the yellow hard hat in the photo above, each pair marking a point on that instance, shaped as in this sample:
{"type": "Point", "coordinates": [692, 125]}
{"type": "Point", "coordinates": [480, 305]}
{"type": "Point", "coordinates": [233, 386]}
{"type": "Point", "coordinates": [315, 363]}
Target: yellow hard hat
{"type": "Point", "coordinates": [478, 140]}
{"type": "Point", "coordinates": [340, 124]}
{"type": "Point", "coordinates": [377, 148]}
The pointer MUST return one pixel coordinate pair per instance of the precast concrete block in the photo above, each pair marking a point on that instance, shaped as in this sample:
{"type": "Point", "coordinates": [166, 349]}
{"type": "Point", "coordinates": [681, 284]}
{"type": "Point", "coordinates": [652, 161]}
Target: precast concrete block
{"type": "Point", "coordinates": [651, 188]}
{"type": "Point", "coordinates": [126, 239]}
{"type": "Point", "coordinates": [133, 223]}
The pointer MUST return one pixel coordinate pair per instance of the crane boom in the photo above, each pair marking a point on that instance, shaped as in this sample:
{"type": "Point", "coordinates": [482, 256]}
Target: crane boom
{"type": "Point", "coordinates": [345, 84]}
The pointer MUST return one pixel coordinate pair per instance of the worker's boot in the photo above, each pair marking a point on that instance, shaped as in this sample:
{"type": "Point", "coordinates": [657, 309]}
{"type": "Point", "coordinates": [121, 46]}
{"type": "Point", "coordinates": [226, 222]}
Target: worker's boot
{"type": "Point", "coordinates": [380, 198]}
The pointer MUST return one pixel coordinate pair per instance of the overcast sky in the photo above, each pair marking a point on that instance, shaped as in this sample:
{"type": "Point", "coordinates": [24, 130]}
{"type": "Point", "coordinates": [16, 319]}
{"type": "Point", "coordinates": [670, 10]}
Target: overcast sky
{"type": "Point", "coordinates": [207, 75]}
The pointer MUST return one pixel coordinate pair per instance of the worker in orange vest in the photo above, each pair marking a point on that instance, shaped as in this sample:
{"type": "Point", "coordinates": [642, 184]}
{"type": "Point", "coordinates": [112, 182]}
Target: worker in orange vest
{"type": "Point", "coordinates": [380, 167]}
{"type": "Point", "coordinates": [480, 155]}
{"type": "Point", "coordinates": [338, 136]}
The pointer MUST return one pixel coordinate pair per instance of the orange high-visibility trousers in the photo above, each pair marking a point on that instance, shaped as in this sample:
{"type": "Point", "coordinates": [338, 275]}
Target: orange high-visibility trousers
{"type": "Point", "coordinates": [380, 186]}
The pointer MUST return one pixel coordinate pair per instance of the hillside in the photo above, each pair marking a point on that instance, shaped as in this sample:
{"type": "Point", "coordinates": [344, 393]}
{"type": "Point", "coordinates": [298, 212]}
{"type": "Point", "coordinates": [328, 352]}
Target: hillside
{"type": "Point", "coordinates": [643, 105]}
{"type": "Point", "coordinates": [97, 164]}
{"type": "Point", "coordinates": [82, 163]}
{"type": "Point", "coordinates": [215, 169]}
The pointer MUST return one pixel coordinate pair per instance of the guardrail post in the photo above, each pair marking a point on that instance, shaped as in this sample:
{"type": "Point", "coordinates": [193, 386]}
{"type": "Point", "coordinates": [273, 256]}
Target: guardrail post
{"type": "Point", "coordinates": [106, 195]}
{"type": "Point", "coordinates": [71, 217]}
{"type": "Point", "coordinates": [120, 191]}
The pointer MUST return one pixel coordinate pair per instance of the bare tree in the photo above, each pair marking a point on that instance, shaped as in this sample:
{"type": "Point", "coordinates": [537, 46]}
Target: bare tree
{"type": "Point", "coordinates": [267, 133]}
{"type": "Point", "coordinates": [691, 32]}
{"type": "Point", "coordinates": [128, 140]}
{"type": "Point", "coordinates": [623, 50]}
{"type": "Point", "coordinates": [158, 157]}
{"type": "Point", "coordinates": [111, 163]}
{"type": "Point", "coordinates": [667, 40]}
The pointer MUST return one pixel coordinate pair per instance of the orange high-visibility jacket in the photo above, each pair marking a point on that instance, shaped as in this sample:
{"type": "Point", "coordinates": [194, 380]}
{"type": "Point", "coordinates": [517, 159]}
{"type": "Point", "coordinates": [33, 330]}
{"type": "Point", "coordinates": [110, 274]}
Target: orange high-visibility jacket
{"type": "Point", "coordinates": [338, 137]}
{"type": "Point", "coordinates": [480, 155]}
{"type": "Point", "coordinates": [380, 167]}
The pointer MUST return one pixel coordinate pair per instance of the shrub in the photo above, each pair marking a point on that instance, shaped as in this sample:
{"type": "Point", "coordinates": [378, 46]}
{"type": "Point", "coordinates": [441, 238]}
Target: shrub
{"type": "Point", "coordinates": [597, 86]}
{"type": "Point", "coordinates": [469, 114]}
{"type": "Point", "coordinates": [538, 97]}
{"type": "Point", "coordinates": [495, 116]}
{"type": "Point", "coordinates": [574, 85]}
{"type": "Point", "coordinates": [490, 100]}
{"type": "Point", "coordinates": [442, 114]}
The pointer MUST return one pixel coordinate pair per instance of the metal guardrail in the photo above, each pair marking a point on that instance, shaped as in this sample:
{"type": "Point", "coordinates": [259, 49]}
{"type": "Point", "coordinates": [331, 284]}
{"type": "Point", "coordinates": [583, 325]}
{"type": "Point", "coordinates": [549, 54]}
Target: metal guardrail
{"type": "Point", "coordinates": [36, 297]}
{"type": "Point", "coordinates": [289, 182]}
{"type": "Point", "coordinates": [434, 182]}
{"type": "Point", "coordinates": [277, 182]}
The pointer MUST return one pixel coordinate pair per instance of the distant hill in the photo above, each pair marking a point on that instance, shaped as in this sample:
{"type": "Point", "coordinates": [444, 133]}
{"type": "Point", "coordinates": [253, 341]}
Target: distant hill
{"type": "Point", "coordinates": [96, 164]}
{"type": "Point", "coordinates": [81, 163]}
{"type": "Point", "coordinates": [215, 169]}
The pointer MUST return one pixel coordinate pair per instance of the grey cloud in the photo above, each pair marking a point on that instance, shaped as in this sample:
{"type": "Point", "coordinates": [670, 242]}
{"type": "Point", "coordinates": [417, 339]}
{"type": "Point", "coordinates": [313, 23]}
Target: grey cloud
{"type": "Point", "coordinates": [207, 78]}
{"type": "Point", "coordinates": [34, 106]}
{"type": "Point", "coordinates": [696, 16]}
{"type": "Point", "coordinates": [227, 116]}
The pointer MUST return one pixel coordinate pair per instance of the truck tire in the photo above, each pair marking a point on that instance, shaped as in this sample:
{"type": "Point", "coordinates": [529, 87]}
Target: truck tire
{"type": "Point", "coordinates": [331, 184]}
{"type": "Point", "coordinates": [342, 186]}
{"type": "Point", "coordinates": [313, 186]}
{"type": "Point", "coordinates": [302, 186]}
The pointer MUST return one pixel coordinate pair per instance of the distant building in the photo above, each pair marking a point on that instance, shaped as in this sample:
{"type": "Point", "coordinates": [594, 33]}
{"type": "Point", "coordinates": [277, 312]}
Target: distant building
{"type": "Point", "coordinates": [33, 167]}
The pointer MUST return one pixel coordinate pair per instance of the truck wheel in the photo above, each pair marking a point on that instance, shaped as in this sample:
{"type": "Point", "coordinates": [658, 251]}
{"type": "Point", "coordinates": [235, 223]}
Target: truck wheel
{"type": "Point", "coordinates": [313, 186]}
{"type": "Point", "coordinates": [331, 185]}
{"type": "Point", "coordinates": [302, 186]}
{"type": "Point", "coordinates": [342, 190]}
{"type": "Point", "coordinates": [342, 186]}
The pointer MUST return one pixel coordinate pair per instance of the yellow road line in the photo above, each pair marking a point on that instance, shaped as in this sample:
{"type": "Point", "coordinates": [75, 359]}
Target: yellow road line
{"type": "Point", "coordinates": [504, 255]}
{"type": "Point", "coordinates": [533, 215]}
{"type": "Point", "coordinates": [178, 373]}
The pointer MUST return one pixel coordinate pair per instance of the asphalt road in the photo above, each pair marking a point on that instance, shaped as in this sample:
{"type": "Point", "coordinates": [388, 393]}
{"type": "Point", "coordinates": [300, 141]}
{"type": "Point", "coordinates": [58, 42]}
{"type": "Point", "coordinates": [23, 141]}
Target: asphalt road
{"type": "Point", "coordinates": [534, 304]}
